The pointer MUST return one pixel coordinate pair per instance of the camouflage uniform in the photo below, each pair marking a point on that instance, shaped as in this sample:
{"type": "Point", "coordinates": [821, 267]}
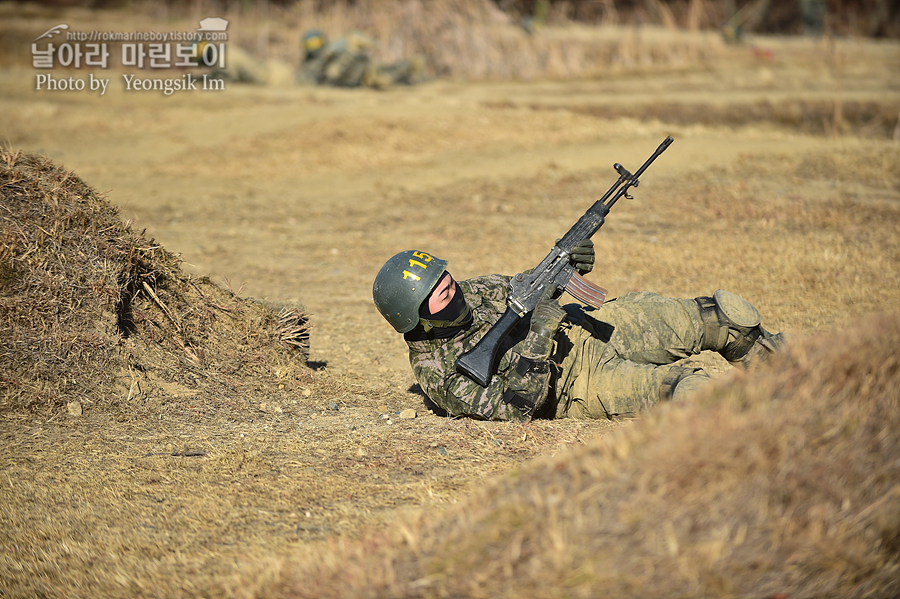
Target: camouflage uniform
{"type": "Point", "coordinates": [345, 63]}
{"type": "Point", "coordinates": [342, 63]}
{"type": "Point", "coordinates": [614, 361]}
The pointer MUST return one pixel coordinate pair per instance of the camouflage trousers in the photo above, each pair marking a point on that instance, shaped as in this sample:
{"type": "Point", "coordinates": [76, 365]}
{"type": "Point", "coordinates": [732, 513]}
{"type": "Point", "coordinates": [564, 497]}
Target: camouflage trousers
{"type": "Point", "coordinates": [620, 359]}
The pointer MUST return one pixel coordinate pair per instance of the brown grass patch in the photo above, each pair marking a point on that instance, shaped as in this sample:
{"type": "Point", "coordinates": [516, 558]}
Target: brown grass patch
{"type": "Point", "coordinates": [784, 482]}
{"type": "Point", "coordinates": [92, 310]}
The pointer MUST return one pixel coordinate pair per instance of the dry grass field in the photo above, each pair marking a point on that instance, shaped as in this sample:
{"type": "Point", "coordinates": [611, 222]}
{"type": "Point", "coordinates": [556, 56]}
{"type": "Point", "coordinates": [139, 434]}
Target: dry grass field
{"type": "Point", "coordinates": [180, 448]}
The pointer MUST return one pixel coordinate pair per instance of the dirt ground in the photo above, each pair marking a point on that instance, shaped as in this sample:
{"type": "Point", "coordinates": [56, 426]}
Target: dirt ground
{"type": "Point", "coordinates": [301, 194]}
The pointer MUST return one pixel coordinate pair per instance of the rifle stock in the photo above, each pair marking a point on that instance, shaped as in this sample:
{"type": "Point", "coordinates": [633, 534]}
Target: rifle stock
{"type": "Point", "coordinates": [555, 269]}
{"type": "Point", "coordinates": [478, 364]}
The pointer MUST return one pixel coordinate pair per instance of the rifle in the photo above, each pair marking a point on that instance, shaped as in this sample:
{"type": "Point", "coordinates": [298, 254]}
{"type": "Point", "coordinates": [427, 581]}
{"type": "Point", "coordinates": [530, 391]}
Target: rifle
{"type": "Point", "coordinates": [525, 290]}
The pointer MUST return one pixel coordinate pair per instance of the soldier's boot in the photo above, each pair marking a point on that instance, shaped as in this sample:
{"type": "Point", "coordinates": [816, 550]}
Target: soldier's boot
{"type": "Point", "coordinates": [731, 326]}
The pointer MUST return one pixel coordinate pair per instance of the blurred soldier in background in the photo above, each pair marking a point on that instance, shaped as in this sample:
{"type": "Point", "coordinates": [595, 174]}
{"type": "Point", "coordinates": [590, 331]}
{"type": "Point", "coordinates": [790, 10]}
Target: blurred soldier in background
{"type": "Point", "coordinates": [345, 62]}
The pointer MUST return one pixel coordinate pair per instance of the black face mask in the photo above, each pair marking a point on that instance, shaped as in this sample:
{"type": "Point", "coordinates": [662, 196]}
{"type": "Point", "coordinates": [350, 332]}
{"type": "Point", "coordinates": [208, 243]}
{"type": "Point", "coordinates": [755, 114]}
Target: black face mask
{"type": "Point", "coordinates": [453, 318]}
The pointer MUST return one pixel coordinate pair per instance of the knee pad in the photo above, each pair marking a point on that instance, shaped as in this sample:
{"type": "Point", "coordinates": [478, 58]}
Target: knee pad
{"type": "Point", "coordinates": [731, 325]}
{"type": "Point", "coordinates": [681, 382]}
{"type": "Point", "coordinates": [688, 385]}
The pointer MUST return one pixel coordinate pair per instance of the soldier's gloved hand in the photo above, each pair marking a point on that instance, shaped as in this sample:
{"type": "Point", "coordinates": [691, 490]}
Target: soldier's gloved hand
{"type": "Point", "coordinates": [547, 315]}
{"type": "Point", "coordinates": [582, 256]}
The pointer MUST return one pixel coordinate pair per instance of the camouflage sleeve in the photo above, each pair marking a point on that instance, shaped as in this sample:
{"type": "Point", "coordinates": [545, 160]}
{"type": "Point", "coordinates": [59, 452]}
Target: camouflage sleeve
{"type": "Point", "coordinates": [513, 393]}
{"type": "Point", "coordinates": [490, 287]}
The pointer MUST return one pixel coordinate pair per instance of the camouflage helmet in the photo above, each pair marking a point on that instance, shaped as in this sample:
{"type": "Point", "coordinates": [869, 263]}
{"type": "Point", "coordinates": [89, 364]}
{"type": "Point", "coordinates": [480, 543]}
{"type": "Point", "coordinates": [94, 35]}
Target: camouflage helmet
{"type": "Point", "coordinates": [403, 283]}
{"type": "Point", "coordinates": [313, 42]}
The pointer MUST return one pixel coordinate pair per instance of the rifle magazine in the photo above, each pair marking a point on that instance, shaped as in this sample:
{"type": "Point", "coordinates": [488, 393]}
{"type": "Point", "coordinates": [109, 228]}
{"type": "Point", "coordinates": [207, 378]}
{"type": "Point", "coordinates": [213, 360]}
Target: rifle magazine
{"type": "Point", "coordinates": [585, 291]}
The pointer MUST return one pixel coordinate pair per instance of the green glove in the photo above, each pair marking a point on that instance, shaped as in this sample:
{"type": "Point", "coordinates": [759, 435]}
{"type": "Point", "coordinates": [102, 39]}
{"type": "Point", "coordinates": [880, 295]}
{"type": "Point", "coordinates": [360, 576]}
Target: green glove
{"type": "Point", "coordinates": [582, 256]}
{"type": "Point", "coordinates": [547, 314]}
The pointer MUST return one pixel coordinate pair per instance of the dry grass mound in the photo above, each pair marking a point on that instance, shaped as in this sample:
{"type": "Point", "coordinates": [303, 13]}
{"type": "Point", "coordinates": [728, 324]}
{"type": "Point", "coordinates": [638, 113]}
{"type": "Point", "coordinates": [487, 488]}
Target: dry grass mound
{"type": "Point", "coordinates": [93, 312]}
{"type": "Point", "coordinates": [781, 483]}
